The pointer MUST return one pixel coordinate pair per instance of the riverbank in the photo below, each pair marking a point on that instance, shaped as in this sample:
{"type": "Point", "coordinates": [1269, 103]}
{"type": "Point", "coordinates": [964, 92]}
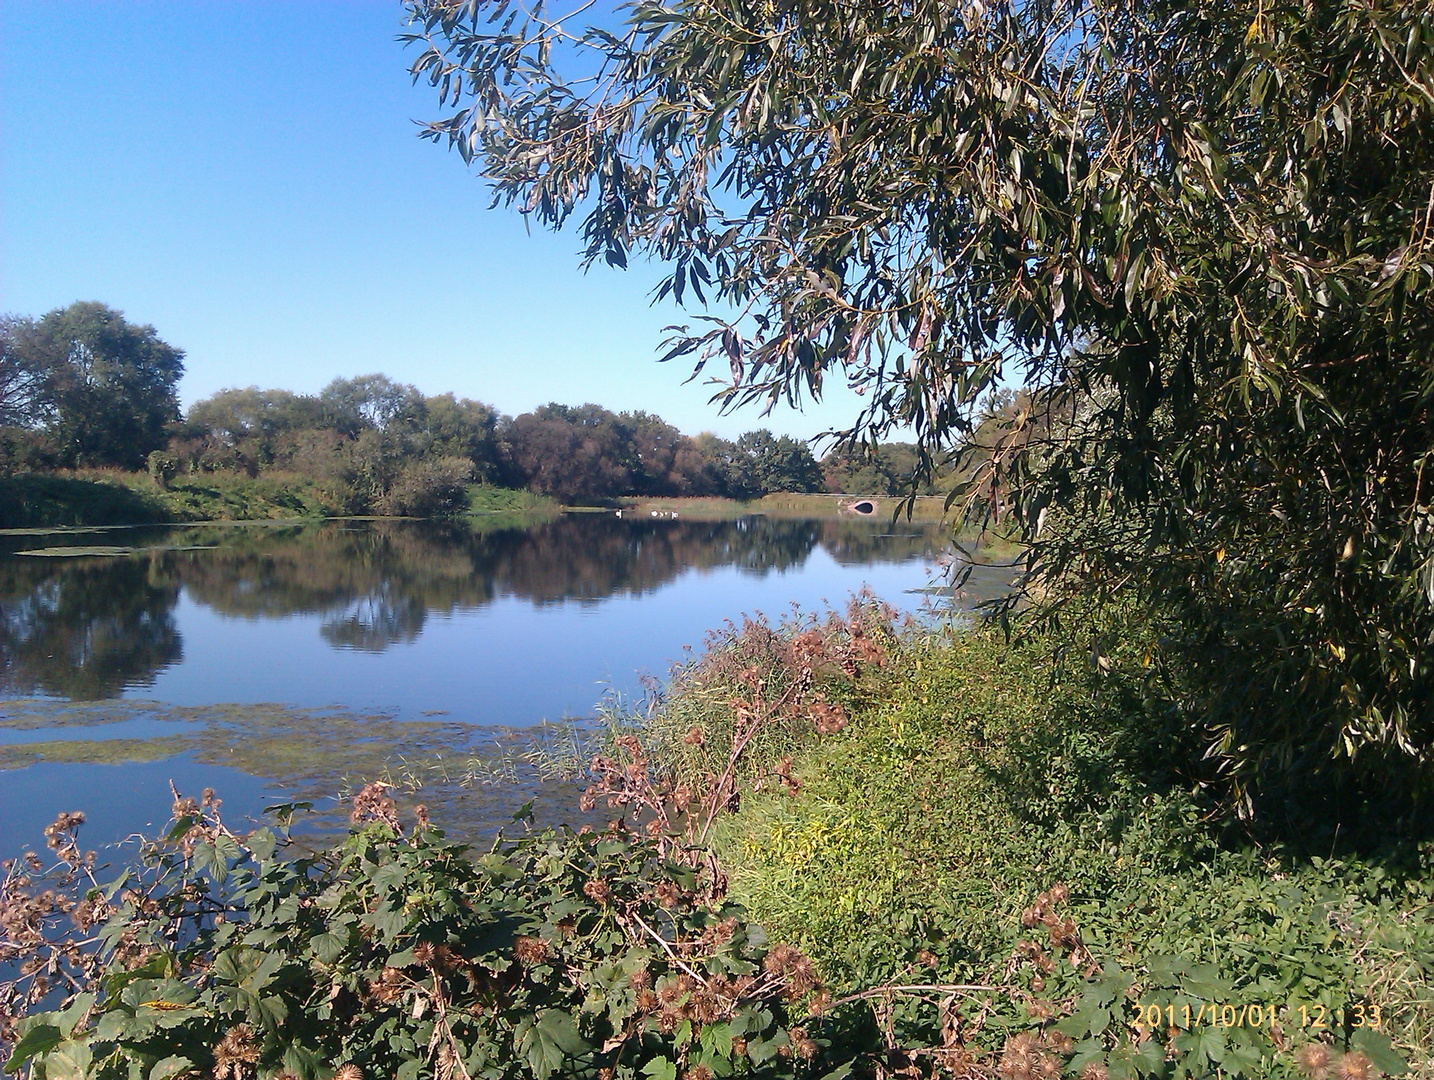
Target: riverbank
{"type": "Point", "coordinates": [927, 508]}
{"type": "Point", "coordinates": [112, 497]}
{"type": "Point", "coordinates": [839, 848]}
{"type": "Point", "coordinates": [959, 814]}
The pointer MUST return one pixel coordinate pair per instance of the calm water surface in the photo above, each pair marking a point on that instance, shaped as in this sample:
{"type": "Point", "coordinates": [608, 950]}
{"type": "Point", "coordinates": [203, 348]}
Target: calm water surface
{"type": "Point", "coordinates": [274, 661]}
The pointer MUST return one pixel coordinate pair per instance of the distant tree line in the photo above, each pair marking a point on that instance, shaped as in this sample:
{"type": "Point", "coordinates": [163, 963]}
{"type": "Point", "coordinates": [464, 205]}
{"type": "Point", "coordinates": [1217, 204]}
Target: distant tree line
{"type": "Point", "coordinates": [83, 387]}
{"type": "Point", "coordinates": [397, 451]}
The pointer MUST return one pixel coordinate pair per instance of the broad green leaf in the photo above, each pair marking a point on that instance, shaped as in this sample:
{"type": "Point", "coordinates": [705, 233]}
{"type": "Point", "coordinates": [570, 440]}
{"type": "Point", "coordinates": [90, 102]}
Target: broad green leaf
{"type": "Point", "coordinates": [39, 1039]}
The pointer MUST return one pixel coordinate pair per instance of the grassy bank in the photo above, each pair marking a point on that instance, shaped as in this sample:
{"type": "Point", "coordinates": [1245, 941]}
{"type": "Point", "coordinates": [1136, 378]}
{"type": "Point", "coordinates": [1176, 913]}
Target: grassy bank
{"type": "Point", "coordinates": [959, 815]}
{"type": "Point", "coordinates": [96, 497]}
{"type": "Point", "coordinates": [490, 499]}
{"type": "Point", "coordinates": [927, 510]}
{"type": "Point", "coordinates": [111, 497]}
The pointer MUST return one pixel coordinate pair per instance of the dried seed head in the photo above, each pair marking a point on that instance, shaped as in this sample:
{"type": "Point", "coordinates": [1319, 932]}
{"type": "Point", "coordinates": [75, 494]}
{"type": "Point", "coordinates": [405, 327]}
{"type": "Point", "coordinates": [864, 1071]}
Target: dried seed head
{"type": "Point", "coordinates": [1312, 1059]}
{"type": "Point", "coordinates": [1025, 1058]}
{"type": "Point", "coordinates": [1060, 1043]}
{"type": "Point", "coordinates": [234, 1053]}
{"type": "Point", "coordinates": [1354, 1066]}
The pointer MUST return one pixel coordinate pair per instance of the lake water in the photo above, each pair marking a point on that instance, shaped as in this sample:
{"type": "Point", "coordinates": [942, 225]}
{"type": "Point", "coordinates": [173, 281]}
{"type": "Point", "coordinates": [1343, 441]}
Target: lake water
{"type": "Point", "coordinates": [275, 661]}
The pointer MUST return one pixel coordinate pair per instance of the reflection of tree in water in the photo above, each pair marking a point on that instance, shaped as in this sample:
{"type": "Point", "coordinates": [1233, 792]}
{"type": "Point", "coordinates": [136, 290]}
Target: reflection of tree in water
{"type": "Point", "coordinates": [376, 583]}
{"type": "Point", "coordinates": [374, 622]}
{"type": "Point", "coordinates": [856, 543]}
{"type": "Point", "coordinates": [88, 627]}
{"type": "Point", "coordinates": [84, 628]}
{"type": "Point", "coordinates": [594, 558]}
{"type": "Point", "coordinates": [371, 585]}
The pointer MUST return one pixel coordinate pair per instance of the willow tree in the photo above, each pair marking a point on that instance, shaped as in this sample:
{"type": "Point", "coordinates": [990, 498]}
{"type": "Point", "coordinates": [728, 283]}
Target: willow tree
{"type": "Point", "coordinates": [1199, 234]}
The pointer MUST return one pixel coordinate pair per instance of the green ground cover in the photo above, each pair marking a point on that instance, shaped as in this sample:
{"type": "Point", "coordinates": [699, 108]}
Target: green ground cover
{"type": "Point", "coordinates": [491, 499]}
{"type": "Point", "coordinates": [112, 497]}
{"type": "Point", "coordinates": [971, 816]}
{"type": "Point", "coordinates": [97, 497]}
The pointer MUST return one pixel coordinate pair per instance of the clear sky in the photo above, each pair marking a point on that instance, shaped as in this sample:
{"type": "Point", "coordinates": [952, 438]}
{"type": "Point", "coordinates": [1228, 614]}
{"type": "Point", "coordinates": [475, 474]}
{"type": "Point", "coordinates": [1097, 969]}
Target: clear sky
{"type": "Point", "coordinates": [245, 176]}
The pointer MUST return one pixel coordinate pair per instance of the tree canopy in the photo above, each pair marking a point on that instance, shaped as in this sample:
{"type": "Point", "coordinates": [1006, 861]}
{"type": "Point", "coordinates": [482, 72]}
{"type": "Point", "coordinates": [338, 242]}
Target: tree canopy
{"type": "Point", "coordinates": [1199, 234]}
{"type": "Point", "coordinates": [103, 387]}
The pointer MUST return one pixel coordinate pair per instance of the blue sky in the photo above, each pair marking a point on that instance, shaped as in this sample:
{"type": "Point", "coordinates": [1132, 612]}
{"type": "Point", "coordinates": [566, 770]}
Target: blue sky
{"type": "Point", "coordinates": [246, 176]}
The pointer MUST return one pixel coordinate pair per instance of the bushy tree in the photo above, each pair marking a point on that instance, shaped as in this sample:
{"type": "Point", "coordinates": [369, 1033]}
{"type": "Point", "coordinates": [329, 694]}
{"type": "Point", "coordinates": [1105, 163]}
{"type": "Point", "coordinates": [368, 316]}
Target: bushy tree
{"type": "Point", "coordinates": [658, 446]}
{"type": "Point", "coordinates": [370, 402]}
{"type": "Point", "coordinates": [108, 385]}
{"type": "Point", "coordinates": [889, 469]}
{"type": "Point", "coordinates": [23, 401]}
{"type": "Point", "coordinates": [244, 428]}
{"type": "Point", "coordinates": [764, 463]}
{"type": "Point", "coordinates": [571, 452]}
{"type": "Point", "coordinates": [463, 428]}
{"type": "Point", "coordinates": [1198, 233]}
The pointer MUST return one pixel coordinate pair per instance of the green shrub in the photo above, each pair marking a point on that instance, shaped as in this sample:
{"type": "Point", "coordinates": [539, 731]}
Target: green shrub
{"type": "Point", "coordinates": [1010, 860]}
{"type": "Point", "coordinates": [428, 488]}
{"type": "Point", "coordinates": [35, 500]}
{"type": "Point", "coordinates": [491, 499]}
{"type": "Point", "coordinates": [391, 956]}
{"type": "Point", "coordinates": [162, 467]}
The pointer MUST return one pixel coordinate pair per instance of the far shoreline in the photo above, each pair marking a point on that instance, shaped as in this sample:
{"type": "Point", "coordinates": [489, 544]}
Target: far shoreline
{"type": "Point", "coordinates": [49, 502]}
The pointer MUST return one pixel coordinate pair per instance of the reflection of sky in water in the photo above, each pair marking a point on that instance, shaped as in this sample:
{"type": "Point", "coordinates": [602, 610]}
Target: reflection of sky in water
{"type": "Point", "coordinates": [117, 800]}
{"type": "Point", "coordinates": [508, 662]}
